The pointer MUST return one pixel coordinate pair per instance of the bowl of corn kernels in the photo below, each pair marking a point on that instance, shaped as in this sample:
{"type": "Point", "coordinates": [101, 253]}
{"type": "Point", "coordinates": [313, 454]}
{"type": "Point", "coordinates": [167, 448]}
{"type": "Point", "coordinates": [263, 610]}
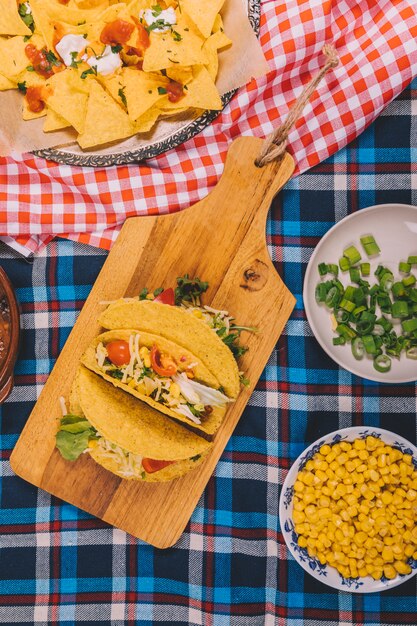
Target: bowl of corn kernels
{"type": "Point", "coordinates": [348, 509]}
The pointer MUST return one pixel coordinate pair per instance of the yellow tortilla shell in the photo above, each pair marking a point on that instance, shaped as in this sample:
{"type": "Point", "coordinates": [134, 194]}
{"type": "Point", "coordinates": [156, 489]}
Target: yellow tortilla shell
{"type": "Point", "coordinates": [180, 468]}
{"type": "Point", "coordinates": [133, 425]}
{"type": "Point", "coordinates": [209, 425]}
{"type": "Point", "coordinates": [184, 329]}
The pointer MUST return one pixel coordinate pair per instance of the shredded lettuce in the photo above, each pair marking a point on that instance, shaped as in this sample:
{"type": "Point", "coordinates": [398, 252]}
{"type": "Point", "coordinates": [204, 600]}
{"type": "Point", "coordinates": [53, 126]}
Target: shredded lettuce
{"type": "Point", "coordinates": [73, 436]}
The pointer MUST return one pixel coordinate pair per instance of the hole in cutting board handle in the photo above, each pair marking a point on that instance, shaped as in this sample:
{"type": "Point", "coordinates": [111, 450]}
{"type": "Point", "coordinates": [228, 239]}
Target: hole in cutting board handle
{"type": "Point", "coordinates": [255, 276]}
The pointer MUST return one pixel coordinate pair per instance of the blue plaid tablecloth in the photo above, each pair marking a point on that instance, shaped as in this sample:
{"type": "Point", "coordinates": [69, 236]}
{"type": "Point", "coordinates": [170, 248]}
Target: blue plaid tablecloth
{"type": "Point", "coordinates": [59, 565]}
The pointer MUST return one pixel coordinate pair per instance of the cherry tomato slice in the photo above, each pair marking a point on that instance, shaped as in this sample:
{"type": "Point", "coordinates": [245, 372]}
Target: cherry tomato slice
{"type": "Point", "coordinates": [163, 365]}
{"type": "Point", "coordinates": [118, 352]}
{"type": "Point", "coordinates": [152, 465]}
{"type": "Point", "coordinates": [166, 297]}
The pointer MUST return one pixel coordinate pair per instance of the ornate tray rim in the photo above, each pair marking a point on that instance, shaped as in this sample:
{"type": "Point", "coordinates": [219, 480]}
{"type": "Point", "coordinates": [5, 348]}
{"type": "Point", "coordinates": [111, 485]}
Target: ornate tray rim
{"type": "Point", "coordinates": [184, 134]}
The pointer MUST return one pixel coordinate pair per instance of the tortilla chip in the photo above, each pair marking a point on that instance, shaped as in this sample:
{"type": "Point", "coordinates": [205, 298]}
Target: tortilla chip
{"type": "Point", "coordinates": [202, 13]}
{"type": "Point", "coordinates": [184, 329]}
{"type": "Point", "coordinates": [182, 75]}
{"type": "Point", "coordinates": [141, 91]}
{"type": "Point", "coordinates": [69, 98]}
{"type": "Point", "coordinates": [13, 59]}
{"type": "Point", "coordinates": [218, 24]}
{"type": "Point", "coordinates": [145, 122]}
{"type": "Point", "coordinates": [210, 424]}
{"type": "Point", "coordinates": [214, 43]}
{"type": "Point", "coordinates": [10, 21]}
{"type": "Point", "coordinates": [105, 121]}
{"type": "Point", "coordinates": [54, 122]}
{"type": "Point", "coordinates": [73, 15]}
{"type": "Point", "coordinates": [6, 83]}
{"type": "Point", "coordinates": [133, 425]}
{"type": "Point", "coordinates": [201, 93]}
{"type": "Point", "coordinates": [165, 52]}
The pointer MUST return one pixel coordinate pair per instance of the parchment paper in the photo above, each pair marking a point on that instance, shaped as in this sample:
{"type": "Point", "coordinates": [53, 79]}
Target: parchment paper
{"type": "Point", "coordinates": [238, 64]}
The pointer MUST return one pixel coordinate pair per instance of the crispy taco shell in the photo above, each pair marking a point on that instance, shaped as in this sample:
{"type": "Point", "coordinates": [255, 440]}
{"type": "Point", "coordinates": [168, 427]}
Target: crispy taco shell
{"type": "Point", "coordinates": [175, 324]}
{"type": "Point", "coordinates": [134, 425]}
{"type": "Point", "coordinates": [176, 470]}
{"type": "Point", "coordinates": [209, 424]}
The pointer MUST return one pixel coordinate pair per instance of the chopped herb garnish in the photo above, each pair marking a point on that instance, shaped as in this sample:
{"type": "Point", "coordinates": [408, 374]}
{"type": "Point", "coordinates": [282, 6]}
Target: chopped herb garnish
{"type": "Point", "coordinates": [116, 49]}
{"type": "Point", "coordinates": [30, 68]}
{"type": "Point", "coordinates": [26, 17]}
{"type": "Point", "coordinates": [22, 87]}
{"type": "Point", "coordinates": [52, 59]}
{"type": "Point", "coordinates": [156, 10]}
{"type": "Point", "coordinates": [196, 457]}
{"type": "Point", "coordinates": [172, 60]}
{"type": "Point", "coordinates": [92, 70]}
{"type": "Point", "coordinates": [143, 293]}
{"type": "Point", "coordinates": [81, 24]}
{"type": "Point", "coordinates": [74, 63]}
{"type": "Point", "coordinates": [158, 291]}
{"type": "Point", "coordinates": [189, 289]}
{"type": "Point", "coordinates": [162, 91]}
{"type": "Point", "coordinates": [143, 475]}
{"type": "Point", "coordinates": [122, 96]}
{"type": "Point", "coordinates": [176, 36]}
{"type": "Point", "coordinates": [243, 380]}
{"type": "Point", "coordinates": [27, 37]}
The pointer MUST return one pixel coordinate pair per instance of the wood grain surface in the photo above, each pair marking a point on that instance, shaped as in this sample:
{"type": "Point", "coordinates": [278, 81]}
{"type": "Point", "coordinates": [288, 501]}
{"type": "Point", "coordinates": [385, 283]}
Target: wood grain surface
{"type": "Point", "coordinates": [220, 239]}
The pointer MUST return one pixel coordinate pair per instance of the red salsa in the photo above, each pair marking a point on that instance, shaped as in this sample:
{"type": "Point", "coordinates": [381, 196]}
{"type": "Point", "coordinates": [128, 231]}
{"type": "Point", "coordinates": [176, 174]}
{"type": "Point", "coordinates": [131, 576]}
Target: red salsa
{"type": "Point", "coordinates": [117, 32]}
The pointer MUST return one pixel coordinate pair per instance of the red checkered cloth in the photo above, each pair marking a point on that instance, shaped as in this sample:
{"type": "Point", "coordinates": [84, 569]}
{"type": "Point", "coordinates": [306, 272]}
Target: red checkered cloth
{"type": "Point", "coordinates": [377, 45]}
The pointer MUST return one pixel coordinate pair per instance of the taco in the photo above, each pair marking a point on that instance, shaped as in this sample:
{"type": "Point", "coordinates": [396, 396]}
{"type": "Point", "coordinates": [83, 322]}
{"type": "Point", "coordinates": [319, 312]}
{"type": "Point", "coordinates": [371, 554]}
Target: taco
{"type": "Point", "coordinates": [164, 375]}
{"type": "Point", "coordinates": [180, 326]}
{"type": "Point", "coordinates": [126, 437]}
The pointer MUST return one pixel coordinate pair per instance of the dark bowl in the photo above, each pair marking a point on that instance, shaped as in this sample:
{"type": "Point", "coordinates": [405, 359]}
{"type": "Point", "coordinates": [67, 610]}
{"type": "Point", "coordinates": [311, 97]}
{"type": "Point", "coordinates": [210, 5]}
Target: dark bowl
{"type": "Point", "coordinates": [9, 334]}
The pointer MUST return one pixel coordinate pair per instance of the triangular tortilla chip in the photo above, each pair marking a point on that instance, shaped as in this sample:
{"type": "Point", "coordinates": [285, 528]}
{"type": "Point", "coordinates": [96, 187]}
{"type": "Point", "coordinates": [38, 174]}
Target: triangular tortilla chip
{"type": "Point", "coordinates": [13, 59]}
{"type": "Point", "coordinates": [165, 51]}
{"type": "Point", "coordinates": [146, 121]}
{"type": "Point", "coordinates": [202, 13]}
{"type": "Point", "coordinates": [214, 43]}
{"type": "Point", "coordinates": [200, 93]}
{"type": "Point", "coordinates": [54, 121]}
{"type": "Point", "coordinates": [6, 83]}
{"type": "Point", "coordinates": [69, 98]}
{"type": "Point", "coordinates": [105, 120]}
{"type": "Point", "coordinates": [10, 21]}
{"type": "Point", "coordinates": [141, 91]}
{"type": "Point", "coordinates": [43, 23]}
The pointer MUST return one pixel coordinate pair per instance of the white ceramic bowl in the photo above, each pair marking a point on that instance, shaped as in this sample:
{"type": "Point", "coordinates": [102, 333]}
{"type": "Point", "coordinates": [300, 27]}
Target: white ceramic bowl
{"type": "Point", "coordinates": [394, 227]}
{"type": "Point", "coordinates": [325, 573]}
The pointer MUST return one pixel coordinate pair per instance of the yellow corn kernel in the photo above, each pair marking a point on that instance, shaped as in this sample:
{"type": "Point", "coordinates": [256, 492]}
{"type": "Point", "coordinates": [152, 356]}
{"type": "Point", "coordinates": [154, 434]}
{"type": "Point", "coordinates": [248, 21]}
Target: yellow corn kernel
{"type": "Point", "coordinates": [411, 495]}
{"type": "Point", "coordinates": [359, 444]}
{"type": "Point", "coordinates": [298, 485]}
{"type": "Point", "coordinates": [302, 542]}
{"type": "Point", "coordinates": [363, 455]}
{"type": "Point", "coordinates": [143, 352]}
{"type": "Point", "coordinates": [376, 574]}
{"type": "Point", "coordinates": [175, 391]}
{"type": "Point", "coordinates": [362, 572]}
{"type": "Point", "coordinates": [308, 478]}
{"type": "Point", "coordinates": [141, 388]}
{"type": "Point", "coordinates": [198, 313]}
{"type": "Point", "coordinates": [388, 555]}
{"type": "Point", "coordinates": [309, 465]}
{"type": "Point", "coordinates": [298, 517]}
{"type": "Point", "coordinates": [402, 568]}
{"type": "Point", "coordinates": [409, 551]}
{"type": "Point", "coordinates": [93, 443]}
{"type": "Point", "coordinates": [389, 572]}
{"type": "Point", "coordinates": [386, 497]}
{"type": "Point", "coordinates": [360, 538]}
{"type": "Point", "coordinates": [147, 361]}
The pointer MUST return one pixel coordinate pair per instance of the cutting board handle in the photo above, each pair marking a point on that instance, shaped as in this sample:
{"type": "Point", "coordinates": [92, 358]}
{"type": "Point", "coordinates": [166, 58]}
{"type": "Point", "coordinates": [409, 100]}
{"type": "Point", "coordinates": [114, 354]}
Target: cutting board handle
{"type": "Point", "coordinates": [249, 185]}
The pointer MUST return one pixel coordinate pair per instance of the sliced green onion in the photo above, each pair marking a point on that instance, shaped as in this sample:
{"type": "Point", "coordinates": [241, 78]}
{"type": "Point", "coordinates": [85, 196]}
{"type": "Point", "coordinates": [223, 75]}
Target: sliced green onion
{"type": "Point", "coordinates": [403, 267]}
{"type": "Point", "coordinates": [352, 254]}
{"type": "Point", "coordinates": [400, 309]}
{"type": "Point", "coordinates": [411, 353]}
{"type": "Point", "coordinates": [398, 290]}
{"type": "Point", "coordinates": [345, 331]}
{"type": "Point", "coordinates": [409, 326]}
{"type": "Point", "coordinates": [347, 305]}
{"type": "Point", "coordinates": [344, 264]}
{"type": "Point", "coordinates": [408, 281]}
{"type": "Point", "coordinates": [322, 269]}
{"type": "Point", "coordinates": [358, 349]}
{"type": "Point", "coordinates": [354, 274]}
{"type": "Point", "coordinates": [412, 260]}
{"type": "Point", "coordinates": [332, 268]}
{"type": "Point", "coordinates": [332, 297]}
{"type": "Point", "coordinates": [382, 363]}
{"type": "Point", "coordinates": [369, 344]}
{"type": "Point", "coordinates": [365, 269]}
{"type": "Point", "coordinates": [321, 293]}
{"type": "Point", "coordinates": [370, 245]}
{"type": "Point", "coordinates": [339, 341]}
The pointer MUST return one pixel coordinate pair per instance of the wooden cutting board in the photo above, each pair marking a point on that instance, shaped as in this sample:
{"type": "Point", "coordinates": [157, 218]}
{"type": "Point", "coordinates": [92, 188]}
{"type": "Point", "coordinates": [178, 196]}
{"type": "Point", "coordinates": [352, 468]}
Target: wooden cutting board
{"type": "Point", "coordinates": [221, 240]}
